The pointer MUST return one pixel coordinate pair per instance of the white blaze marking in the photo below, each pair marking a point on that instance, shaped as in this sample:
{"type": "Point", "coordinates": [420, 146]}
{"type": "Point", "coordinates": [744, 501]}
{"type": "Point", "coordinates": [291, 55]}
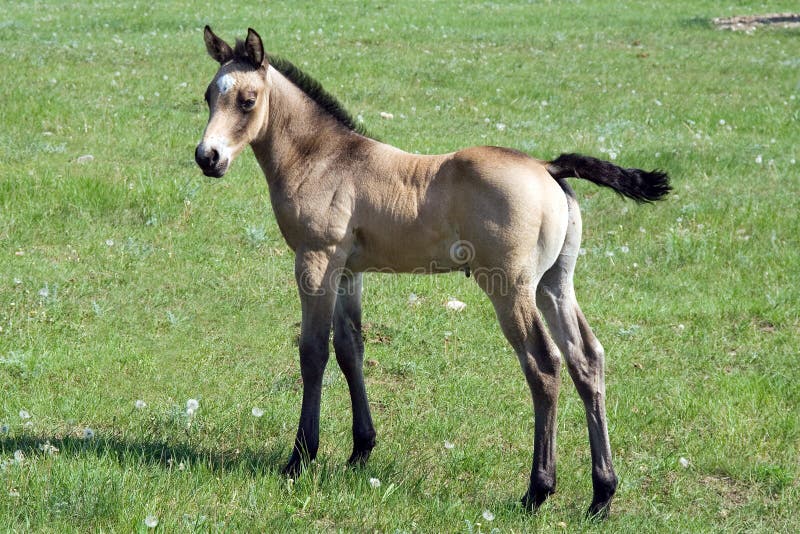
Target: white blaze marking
{"type": "Point", "coordinates": [225, 83]}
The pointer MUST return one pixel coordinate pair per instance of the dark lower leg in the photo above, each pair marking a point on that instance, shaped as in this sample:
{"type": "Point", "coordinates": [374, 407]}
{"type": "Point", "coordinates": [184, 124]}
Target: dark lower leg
{"type": "Point", "coordinates": [349, 347]}
{"type": "Point", "coordinates": [587, 370]}
{"type": "Point", "coordinates": [306, 443]}
{"type": "Point", "coordinates": [543, 470]}
{"type": "Point", "coordinates": [542, 370]}
{"type": "Point", "coordinates": [363, 430]}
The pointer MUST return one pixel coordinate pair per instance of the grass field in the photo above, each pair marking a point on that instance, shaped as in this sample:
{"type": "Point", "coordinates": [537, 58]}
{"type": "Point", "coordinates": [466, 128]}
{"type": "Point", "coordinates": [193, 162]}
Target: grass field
{"type": "Point", "coordinates": [128, 276]}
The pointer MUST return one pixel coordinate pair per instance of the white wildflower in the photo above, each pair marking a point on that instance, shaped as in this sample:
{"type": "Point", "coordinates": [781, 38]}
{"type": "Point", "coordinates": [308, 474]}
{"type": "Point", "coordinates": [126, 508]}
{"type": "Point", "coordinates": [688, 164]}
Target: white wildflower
{"type": "Point", "coordinates": [488, 515]}
{"type": "Point", "coordinates": [759, 159]}
{"type": "Point", "coordinates": [13, 492]}
{"type": "Point", "coordinates": [684, 462]}
{"type": "Point", "coordinates": [151, 521]}
{"type": "Point", "coordinates": [385, 115]}
{"type": "Point", "coordinates": [624, 249]}
{"type": "Point", "coordinates": [257, 412]}
{"type": "Point", "coordinates": [48, 448]}
{"type": "Point", "coordinates": [192, 405]}
{"type": "Point", "coordinates": [19, 456]}
{"type": "Point", "coordinates": [374, 482]}
{"type": "Point", "coordinates": [140, 404]}
{"type": "Point", "coordinates": [448, 445]}
{"type": "Point", "coordinates": [413, 299]}
{"type": "Point", "coordinates": [453, 304]}
{"type": "Point", "coordinates": [23, 414]}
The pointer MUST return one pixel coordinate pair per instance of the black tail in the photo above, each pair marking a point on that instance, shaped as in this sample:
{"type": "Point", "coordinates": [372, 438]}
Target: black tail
{"type": "Point", "coordinates": [637, 184]}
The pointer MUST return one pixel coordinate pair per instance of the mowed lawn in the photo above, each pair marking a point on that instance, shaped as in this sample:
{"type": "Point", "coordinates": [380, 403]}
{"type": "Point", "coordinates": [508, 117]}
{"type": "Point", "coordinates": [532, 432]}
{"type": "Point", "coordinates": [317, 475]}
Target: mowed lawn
{"type": "Point", "coordinates": [130, 284]}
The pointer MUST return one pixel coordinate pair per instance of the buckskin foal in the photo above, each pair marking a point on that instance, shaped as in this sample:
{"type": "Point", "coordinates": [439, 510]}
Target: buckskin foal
{"type": "Point", "coordinates": [344, 202]}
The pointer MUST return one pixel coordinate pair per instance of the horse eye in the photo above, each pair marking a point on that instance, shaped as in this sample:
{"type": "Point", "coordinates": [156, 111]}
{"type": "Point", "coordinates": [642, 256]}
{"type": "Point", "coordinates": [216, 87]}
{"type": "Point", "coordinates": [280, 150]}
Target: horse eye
{"type": "Point", "coordinates": [248, 105]}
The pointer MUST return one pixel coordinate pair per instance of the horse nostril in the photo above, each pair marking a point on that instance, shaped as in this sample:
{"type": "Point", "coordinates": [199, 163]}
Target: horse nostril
{"type": "Point", "coordinates": [206, 157]}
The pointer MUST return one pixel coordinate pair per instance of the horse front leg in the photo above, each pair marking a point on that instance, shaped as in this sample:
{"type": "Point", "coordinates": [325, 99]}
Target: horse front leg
{"type": "Point", "coordinates": [317, 273]}
{"type": "Point", "coordinates": [349, 347]}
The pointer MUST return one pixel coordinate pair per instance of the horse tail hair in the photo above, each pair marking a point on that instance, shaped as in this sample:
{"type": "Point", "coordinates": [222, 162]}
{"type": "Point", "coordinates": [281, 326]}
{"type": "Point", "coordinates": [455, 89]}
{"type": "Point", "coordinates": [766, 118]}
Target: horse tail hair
{"type": "Point", "coordinates": [641, 186]}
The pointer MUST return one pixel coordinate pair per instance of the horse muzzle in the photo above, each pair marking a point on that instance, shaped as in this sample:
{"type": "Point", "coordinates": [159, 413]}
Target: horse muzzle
{"type": "Point", "coordinates": [210, 161]}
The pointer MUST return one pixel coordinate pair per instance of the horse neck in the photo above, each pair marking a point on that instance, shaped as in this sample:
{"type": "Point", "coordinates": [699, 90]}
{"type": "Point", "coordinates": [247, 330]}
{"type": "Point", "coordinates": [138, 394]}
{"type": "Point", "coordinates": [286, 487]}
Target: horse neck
{"type": "Point", "coordinates": [297, 133]}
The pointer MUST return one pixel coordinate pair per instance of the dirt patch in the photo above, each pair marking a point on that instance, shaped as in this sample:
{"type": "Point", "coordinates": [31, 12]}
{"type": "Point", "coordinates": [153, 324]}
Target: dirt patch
{"type": "Point", "coordinates": [748, 23]}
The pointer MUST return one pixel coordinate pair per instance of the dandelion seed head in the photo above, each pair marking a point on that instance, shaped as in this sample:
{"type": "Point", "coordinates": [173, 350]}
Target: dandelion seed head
{"type": "Point", "coordinates": [19, 456]}
{"type": "Point", "coordinates": [448, 445]}
{"type": "Point", "coordinates": [684, 462]}
{"type": "Point", "coordinates": [151, 521]}
{"type": "Point", "coordinates": [48, 448]}
{"type": "Point", "coordinates": [487, 515]}
{"type": "Point", "coordinates": [23, 414]}
{"type": "Point", "coordinates": [374, 482]}
{"type": "Point", "coordinates": [453, 304]}
{"type": "Point", "coordinates": [192, 405]}
{"type": "Point", "coordinates": [257, 412]}
{"type": "Point", "coordinates": [140, 404]}
{"type": "Point", "coordinates": [88, 433]}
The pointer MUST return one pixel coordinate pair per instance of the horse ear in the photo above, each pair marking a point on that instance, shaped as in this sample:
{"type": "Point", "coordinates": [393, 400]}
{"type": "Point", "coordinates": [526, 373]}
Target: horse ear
{"type": "Point", "coordinates": [217, 48]}
{"type": "Point", "coordinates": [255, 48]}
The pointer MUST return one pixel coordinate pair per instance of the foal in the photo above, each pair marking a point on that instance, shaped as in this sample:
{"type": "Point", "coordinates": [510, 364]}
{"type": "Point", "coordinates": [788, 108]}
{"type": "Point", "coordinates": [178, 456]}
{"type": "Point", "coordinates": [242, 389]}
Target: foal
{"type": "Point", "coordinates": [344, 201]}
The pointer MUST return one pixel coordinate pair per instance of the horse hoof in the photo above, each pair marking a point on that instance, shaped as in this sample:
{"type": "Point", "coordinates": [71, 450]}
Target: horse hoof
{"type": "Point", "coordinates": [293, 468]}
{"type": "Point", "coordinates": [599, 510]}
{"type": "Point", "coordinates": [532, 501]}
{"type": "Point", "coordinates": [359, 458]}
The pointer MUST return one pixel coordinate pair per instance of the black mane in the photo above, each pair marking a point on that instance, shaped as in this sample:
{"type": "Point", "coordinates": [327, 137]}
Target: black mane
{"type": "Point", "coordinates": [311, 87]}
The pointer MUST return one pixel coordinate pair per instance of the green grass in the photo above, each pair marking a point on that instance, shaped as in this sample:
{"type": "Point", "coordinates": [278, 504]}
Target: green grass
{"type": "Point", "coordinates": [133, 277]}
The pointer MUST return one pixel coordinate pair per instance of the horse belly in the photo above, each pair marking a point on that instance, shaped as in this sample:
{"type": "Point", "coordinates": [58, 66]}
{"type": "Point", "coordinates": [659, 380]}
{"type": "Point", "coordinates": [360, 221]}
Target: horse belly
{"type": "Point", "coordinates": [409, 251]}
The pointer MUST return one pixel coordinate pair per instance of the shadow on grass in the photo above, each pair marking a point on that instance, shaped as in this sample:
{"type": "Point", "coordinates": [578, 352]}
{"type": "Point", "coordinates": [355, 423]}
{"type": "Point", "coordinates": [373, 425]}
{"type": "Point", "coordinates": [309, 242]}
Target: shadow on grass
{"type": "Point", "coordinates": [167, 455]}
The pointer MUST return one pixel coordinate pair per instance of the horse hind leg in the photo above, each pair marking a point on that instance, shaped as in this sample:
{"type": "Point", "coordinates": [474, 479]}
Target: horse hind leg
{"type": "Point", "coordinates": [540, 362]}
{"type": "Point", "coordinates": [585, 360]}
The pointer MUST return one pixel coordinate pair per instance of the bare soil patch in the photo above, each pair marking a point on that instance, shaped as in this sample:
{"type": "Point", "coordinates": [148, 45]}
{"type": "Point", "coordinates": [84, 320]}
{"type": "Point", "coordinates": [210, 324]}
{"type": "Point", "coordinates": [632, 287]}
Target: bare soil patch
{"type": "Point", "coordinates": [750, 22]}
